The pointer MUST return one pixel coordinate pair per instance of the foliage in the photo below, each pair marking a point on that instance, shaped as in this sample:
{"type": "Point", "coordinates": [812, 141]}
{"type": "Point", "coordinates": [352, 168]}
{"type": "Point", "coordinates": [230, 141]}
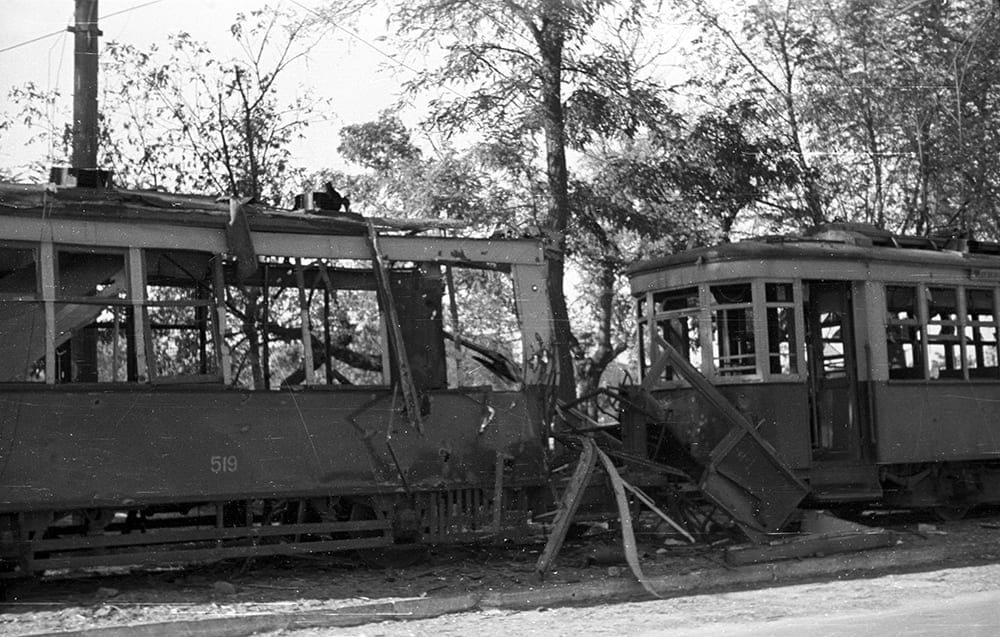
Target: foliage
{"type": "Point", "coordinates": [888, 107]}
{"type": "Point", "coordinates": [36, 110]}
{"type": "Point", "coordinates": [183, 120]}
{"type": "Point", "coordinates": [533, 81]}
{"type": "Point", "coordinates": [398, 181]}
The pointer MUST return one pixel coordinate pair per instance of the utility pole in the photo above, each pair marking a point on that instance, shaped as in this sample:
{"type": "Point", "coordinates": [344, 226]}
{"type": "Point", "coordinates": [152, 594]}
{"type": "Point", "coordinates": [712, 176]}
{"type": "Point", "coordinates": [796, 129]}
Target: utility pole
{"type": "Point", "coordinates": [85, 85]}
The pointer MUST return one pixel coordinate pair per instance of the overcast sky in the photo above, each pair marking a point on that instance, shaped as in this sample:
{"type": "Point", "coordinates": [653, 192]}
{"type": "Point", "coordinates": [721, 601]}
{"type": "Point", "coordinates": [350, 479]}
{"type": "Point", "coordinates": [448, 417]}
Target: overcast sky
{"type": "Point", "coordinates": [360, 81]}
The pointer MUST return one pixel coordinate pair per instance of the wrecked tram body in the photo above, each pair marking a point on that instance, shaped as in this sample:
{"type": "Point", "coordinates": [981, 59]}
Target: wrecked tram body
{"type": "Point", "coordinates": [179, 380]}
{"type": "Point", "coordinates": [864, 364]}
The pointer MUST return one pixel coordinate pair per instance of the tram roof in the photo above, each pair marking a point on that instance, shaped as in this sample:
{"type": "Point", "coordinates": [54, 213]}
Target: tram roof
{"type": "Point", "coordinates": [149, 206]}
{"type": "Point", "coordinates": [150, 219]}
{"type": "Point", "coordinates": [838, 241]}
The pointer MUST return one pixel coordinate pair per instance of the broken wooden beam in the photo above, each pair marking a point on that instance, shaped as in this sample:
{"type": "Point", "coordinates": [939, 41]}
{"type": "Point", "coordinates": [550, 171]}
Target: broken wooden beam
{"type": "Point", "coordinates": [809, 546]}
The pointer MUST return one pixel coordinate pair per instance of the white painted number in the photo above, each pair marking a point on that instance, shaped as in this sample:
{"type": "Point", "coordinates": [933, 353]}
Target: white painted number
{"type": "Point", "coordinates": [223, 464]}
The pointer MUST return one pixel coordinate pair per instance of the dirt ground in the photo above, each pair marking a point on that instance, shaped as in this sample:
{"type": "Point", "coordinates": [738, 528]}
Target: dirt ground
{"type": "Point", "coordinates": [925, 604]}
{"type": "Point", "coordinates": [62, 602]}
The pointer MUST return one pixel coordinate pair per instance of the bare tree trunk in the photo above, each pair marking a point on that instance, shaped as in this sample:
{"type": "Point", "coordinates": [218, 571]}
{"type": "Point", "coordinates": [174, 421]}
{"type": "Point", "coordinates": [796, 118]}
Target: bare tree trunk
{"type": "Point", "coordinates": [550, 37]}
{"type": "Point", "coordinates": [593, 366]}
{"type": "Point", "coordinates": [253, 337]}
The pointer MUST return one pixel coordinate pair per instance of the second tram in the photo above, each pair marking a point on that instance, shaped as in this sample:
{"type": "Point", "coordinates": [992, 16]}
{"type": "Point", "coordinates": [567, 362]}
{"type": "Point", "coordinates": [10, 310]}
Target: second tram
{"type": "Point", "coordinates": [868, 361]}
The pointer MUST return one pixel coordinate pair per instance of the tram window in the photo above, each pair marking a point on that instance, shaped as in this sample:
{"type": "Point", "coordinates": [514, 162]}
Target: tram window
{"type": "Point", "coordinates": [778, 292]}
{"type": "Point", "coordinates": [733, 348]}
{"type": "Point", "coordinates": [179, 303]}
{"type": "Point", "coordinates": [93, 317]}
{"type": "Point", "coordinates": [682, 333]}
{"type": "Point", "coordinates": [903, 332]}
{"type": "Point", "coordinates": [943, 338]}
{"type": "Point", "coordinates": [731, 294]}
{"type": "Point", "coordinates": [677, 320]}
{"type": "Point", "coordinates": [683, 299]}
{"type": "Point", "coordinates": [831, 329]}
{"type": "Point", "coordinates": [22, 317]}
{"type": "Point", "coordinates": [17, 273]}
{"type": "Point", "coordinates": [781, 349]}
{"type": "Point", "coordinates": [981, 334]}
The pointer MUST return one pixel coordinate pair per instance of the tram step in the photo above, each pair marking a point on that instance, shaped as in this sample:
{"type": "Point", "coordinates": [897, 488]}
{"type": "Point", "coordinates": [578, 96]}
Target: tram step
{"type": "Point", "coordinates": [830, 493]}
{"type": "Point", "coordinates": [843, 482]}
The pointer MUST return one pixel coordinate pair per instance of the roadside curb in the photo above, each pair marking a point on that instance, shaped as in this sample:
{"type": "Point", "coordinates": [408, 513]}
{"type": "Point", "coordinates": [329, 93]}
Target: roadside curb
{"type": "Point", "coordinates": [841, 566]}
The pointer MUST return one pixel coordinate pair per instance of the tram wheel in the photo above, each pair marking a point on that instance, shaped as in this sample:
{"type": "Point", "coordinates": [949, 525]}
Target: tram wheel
{"type": "Point", "coordinates": [952, 512]}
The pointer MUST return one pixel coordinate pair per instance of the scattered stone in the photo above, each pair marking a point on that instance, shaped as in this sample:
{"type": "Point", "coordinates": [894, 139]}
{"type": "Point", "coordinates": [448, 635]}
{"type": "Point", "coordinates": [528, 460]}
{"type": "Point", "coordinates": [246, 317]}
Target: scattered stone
{"type": "Point", "coordinates": [223, 588]}
{"type": "Point", "coordinates": [605, 555]}
{"type": "Point", "coordinates": [104, 612]}
{"type": "Point", "coordinates": [929, 529]}
{"type": "Point", "coordinates": [615, 571]}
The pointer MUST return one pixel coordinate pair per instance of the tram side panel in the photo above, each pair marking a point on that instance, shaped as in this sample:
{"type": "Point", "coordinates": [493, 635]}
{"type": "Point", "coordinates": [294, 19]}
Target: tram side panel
{"type": "Point", "coordinates": [778, 409]}
{"type": "Point", "coordinates": [68, 450]}
{"type": "Point", "coordinates": [939, 422]}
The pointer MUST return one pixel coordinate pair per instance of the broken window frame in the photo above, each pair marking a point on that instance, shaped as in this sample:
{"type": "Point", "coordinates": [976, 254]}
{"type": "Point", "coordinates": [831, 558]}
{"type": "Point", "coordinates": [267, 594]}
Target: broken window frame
{"type": "Point", "coordinates": [70, 368]}
{"type": "Point", "coordinates": [977, 331]}
{"type": "Point", "coordinates": [793, 332]}
{"type": "Point", "coordinates": [945, 335]}
{"type": "Point", "coordinates": [678, 307]}
{"type": "Point", "coordinates": [650, 315]}
{"type": "Point", "coordinates": [202, 303]}
{"type": "Point", "coordinates": [905, 330]}
{"type": "Point", "coordinates": [29, 372]}
{"type": "Point", "coordinates": [958, 331]}
{"type": "Point", "coordinates": [280, 279]}
{"type": "Point", "coordinates": [733, 333]}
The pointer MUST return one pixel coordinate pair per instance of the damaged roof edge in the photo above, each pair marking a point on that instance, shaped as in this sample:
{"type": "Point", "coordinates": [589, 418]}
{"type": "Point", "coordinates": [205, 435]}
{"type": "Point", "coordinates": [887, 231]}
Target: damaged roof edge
{"type": "Point", "coordinates": [158, 220]}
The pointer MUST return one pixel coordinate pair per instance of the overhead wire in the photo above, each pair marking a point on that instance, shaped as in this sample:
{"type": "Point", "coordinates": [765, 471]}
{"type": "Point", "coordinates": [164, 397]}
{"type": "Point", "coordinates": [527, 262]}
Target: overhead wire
{"type": "Point", "coordinates": [358, 37]}
{"type": "Point", "coordinates": [55, 33]}
{"type": "Point", "coordinates": [48, 91]}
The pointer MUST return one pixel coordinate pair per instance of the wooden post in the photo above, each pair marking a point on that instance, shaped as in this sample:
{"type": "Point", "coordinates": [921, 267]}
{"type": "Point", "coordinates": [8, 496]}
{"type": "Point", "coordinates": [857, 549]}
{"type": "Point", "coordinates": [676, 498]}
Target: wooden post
{"type": "Point", "coordinates": [395, 333]}
{"type": "Point", "coordinates": [307, 350]}
{"type": "Point", "coordinates": [265, 326]}
{"type": "Point", "coordinates": [137, 294]}
{"type": "Point", "coordinates": [327, 363]}
{"type": "Point", "coordinates": [567, 507]}
{"type": "Point", "coordinates": [456, 377]}
{"type": "Point", "coordinates": [222, 350]}
{"type": "Point", "coordinates": [498, 494]}
{"type": "Point", "coordinates": [47, 260]}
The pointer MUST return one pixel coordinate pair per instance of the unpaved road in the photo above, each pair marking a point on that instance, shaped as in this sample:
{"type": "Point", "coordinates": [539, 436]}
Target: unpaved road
{"type": "Point", "coordinates": [963, 601]}
{"type": "Point", "coordinates": [958, 561]}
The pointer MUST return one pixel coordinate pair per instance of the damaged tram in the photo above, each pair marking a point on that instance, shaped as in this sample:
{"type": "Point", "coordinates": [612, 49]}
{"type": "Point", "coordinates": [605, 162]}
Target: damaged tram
{"type": "Point", "coordinates": [866, 362]}
{"type": "Point", "coordinates": [183, 378]}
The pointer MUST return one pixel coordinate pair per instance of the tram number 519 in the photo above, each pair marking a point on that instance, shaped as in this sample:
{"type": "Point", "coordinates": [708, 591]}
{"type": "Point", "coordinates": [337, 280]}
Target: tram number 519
{"type": "Point", "coordinates": [224, 464]}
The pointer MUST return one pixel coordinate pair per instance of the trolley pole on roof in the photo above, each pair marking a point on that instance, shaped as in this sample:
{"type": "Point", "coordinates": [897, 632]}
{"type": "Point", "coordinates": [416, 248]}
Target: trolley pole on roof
{"type": "Point", "coordinates": [85, 85]}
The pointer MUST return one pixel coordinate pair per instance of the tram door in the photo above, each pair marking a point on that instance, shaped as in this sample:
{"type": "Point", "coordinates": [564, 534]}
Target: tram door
{"type": "Point", "coordinates": [833, 376]}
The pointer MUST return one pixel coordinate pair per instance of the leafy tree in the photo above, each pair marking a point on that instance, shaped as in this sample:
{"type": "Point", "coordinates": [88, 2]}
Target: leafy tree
{"type": "Point", "coordinates": [400, 182]}
{"type": "Point", "coordinates": [515, 61]}
{"type": "Point", "coordinates": [888, 107]}
{"type": "Point", "coordinates": [917, 93]}
{"type": "Point", "coordinates": [37, 110]}
{"type": "Point", "coordinates": [767, 48]}
{"type": "Point", "coordinates": [725, 167]}
{"type": "Point", "coordinates": [182, 119]}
